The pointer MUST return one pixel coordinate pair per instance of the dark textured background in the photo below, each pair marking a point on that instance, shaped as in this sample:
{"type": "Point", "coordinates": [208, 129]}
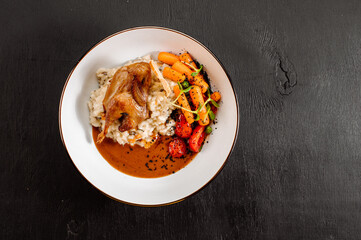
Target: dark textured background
{"type": "Point", "coordinates": [295, 171]}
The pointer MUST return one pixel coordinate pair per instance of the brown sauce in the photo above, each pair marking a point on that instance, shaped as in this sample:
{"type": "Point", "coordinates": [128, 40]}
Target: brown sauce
{"type": "Point", "coordinates": [140, 162]}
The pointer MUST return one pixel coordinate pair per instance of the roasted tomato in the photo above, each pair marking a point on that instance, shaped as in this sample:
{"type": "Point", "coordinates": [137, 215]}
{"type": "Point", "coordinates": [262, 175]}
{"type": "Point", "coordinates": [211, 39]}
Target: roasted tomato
{"type": "Point", "coordinates": [182, 128]}
{"type": "Point", "coordinates": [177, 147]}
{"type": "Point", "coordinates": [197, 138]}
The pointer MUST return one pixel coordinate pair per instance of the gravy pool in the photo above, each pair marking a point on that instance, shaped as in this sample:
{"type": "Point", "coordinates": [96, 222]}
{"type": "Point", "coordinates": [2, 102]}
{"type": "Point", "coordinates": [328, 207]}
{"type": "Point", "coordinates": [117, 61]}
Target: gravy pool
{"type": "Point", "coordinates": [140, 162]}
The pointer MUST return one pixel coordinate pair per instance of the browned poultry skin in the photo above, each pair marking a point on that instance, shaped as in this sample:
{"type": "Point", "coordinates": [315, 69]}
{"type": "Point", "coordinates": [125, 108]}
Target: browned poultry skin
{"type": "Point", "coordinates": [126, 97]}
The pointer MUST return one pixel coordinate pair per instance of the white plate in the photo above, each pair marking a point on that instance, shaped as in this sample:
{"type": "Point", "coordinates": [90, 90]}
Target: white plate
{"type": "Point", "coordinates": [76, 131]}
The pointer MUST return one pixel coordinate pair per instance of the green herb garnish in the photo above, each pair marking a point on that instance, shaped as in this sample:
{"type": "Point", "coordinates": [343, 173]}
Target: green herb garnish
{"type": "Point", "coordinates": [200, 107]}
{"type": "Point", "coordinates": [185, 109]}
{"type": "Point", "coordinates": [197, 71]}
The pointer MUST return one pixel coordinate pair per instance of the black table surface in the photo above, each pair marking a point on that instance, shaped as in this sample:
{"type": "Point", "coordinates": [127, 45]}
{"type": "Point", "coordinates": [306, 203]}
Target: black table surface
{"type": "Point", "coordinates": [295, 172]}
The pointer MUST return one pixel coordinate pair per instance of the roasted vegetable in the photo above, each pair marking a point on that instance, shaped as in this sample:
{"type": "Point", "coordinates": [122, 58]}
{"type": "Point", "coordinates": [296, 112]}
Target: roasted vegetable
{"type": "Point", "coordinates": [168, 58]}
{"type": "Point", "coordinates": [182, 128]}
{"type": "Point", "coordinates": [197, 138]}
{"type": "Point", "coordinates": [199, 81]}
{"type": "Point", "coordinates": [183, 102]}
{"type": "Point", "coordinates": [182, 68]}
{"type": "Point", "coordinates": [216, 96]}
{"type": "Point", "coordinates": [186, 57]}
{"type": "Point", "coordinates": [198, 102]}
{"type": "Point", "coordinates": [177, 147]}
{"type": "Point", "coordinates": [173, 75]}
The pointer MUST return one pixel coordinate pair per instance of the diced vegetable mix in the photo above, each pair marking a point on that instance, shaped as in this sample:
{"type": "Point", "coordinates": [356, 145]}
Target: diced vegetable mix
{"type": "Point", "coordinates": [194, 98]}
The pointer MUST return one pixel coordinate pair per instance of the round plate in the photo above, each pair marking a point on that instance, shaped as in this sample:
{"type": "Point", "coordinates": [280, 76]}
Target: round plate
{"type": "Point", "coordinates": [76, 132]}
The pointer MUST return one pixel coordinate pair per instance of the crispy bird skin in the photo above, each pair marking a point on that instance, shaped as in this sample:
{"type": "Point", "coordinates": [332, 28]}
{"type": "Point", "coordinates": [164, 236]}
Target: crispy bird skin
{"type": "Point", "coordinates": [126, 97]}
